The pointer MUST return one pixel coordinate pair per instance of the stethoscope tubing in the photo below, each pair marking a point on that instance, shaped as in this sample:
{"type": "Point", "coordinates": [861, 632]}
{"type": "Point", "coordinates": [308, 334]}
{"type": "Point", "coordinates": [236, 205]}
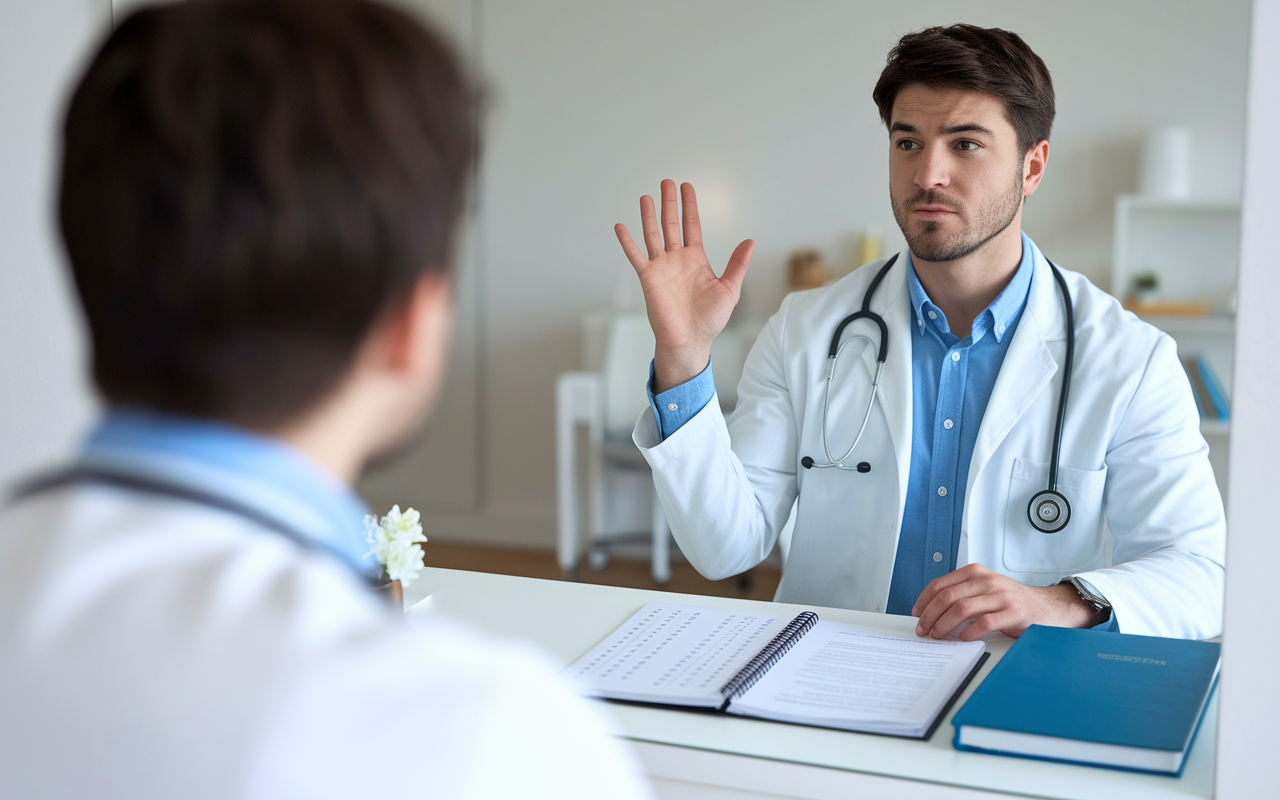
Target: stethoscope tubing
{"type": "Point", "coordinates": [1066, 375]}
{"type": "Point", "coordinates": [833, 355]}
{"type": "Point", "coordinates": [1054, 498]}
{"type": "Point", "coordinates": [147, 484]}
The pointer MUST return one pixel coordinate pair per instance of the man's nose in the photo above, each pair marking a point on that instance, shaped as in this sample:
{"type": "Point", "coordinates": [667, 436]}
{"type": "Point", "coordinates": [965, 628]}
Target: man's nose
{"type": "Point", "coordinates": [934, 171]}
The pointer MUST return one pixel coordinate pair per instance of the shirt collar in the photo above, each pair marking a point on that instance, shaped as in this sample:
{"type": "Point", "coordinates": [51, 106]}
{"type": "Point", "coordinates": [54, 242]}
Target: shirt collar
{"type": "Point", "coordinates": [256, 471]}
{"type": "Point", "coordinates": [998, 317]}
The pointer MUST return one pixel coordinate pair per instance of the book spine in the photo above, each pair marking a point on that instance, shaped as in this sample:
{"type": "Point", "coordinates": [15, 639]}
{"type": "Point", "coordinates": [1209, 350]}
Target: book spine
{"type": "Point", "coordinates": [1214, 388]}
{"type": "Point", "coordinates": [768, 656]}
{"type": "Point", "coordinates": [1203, 405]}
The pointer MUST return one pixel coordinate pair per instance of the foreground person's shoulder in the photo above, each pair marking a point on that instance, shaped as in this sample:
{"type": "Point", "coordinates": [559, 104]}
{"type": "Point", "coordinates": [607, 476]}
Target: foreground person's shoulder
{"type": "Point", "coordinates": [438, 710]}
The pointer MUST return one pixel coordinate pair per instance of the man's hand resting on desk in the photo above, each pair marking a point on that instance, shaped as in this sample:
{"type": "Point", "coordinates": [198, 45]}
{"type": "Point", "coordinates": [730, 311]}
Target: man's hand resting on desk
{"type": "Point", "coordinates": [688, 305]}
{"type": "Point", "coordinates": [995, 603]}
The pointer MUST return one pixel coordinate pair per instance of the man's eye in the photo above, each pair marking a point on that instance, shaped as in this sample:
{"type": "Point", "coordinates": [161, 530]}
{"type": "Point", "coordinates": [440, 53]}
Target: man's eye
{"type": "Point", "coordinates": [967, 145]}
{"type": "Point", "coordinates": [906, 144]}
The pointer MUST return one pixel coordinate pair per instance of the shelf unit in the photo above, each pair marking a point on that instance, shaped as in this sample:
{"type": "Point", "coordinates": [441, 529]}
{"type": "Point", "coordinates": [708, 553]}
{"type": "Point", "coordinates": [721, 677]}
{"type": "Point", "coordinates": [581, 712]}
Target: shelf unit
{"type": "Point", "coordinates": [1193, 246]}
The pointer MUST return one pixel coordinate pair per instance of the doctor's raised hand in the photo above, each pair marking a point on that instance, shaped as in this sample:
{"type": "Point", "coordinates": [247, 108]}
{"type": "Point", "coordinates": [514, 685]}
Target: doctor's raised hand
{"type": "Point", "coordinates": [688, 305]}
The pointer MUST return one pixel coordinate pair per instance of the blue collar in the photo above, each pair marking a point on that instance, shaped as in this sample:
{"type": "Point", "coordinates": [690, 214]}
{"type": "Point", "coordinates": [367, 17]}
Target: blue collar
{"type": "Point", "coordinates": [251, 470]}
{"type": "Point", "coordinates": [997, 318]}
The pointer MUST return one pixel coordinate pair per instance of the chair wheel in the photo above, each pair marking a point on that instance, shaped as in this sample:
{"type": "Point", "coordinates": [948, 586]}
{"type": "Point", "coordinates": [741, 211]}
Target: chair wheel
{"type": "Point", "coordinates": [598, 557]}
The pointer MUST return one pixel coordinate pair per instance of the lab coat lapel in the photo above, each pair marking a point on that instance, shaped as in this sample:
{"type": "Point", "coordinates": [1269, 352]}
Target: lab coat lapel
{"type": "Point", "coordinates": [893, 303]}
{"type": "Point", "coordinates": [1028, 368]}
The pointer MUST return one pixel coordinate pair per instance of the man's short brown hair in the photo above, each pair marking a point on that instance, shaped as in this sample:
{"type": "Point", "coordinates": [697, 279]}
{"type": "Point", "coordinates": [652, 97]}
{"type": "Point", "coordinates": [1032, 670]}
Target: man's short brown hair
{"type": "Point", "coordinates": [987, 60]}
{"type": "Point", "coordinates": [247, 185]}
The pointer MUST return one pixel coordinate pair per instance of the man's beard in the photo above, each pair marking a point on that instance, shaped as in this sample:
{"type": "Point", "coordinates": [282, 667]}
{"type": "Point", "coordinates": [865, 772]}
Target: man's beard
{"type": "Point", "coordinates": [928, 243]}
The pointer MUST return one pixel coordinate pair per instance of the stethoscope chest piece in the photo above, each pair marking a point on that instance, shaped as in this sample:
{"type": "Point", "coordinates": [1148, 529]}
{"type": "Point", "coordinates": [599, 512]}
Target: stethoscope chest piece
{"type": "Point", "coordinates": [1048, 511]}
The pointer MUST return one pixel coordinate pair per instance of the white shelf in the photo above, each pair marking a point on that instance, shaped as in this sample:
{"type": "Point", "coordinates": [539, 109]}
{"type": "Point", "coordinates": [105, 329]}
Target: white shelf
{"type": "Point", "coordinates": [1213, 325]}
{"type": "Point", "coordinates": [1215, 427]}
{"type": "Point", "coordinates": [1192, 246]}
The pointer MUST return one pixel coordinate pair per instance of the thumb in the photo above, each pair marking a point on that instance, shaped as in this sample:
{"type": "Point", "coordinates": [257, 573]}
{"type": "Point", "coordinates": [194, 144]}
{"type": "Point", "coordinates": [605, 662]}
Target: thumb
{"type": "Point", "coordinates": [738, 262]}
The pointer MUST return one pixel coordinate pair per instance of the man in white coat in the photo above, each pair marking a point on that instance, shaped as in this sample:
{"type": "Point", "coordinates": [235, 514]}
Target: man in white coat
{"type": "Point", "coordinates": [258, 201]}
{"type": "Point", "coordinates": [915, 497]}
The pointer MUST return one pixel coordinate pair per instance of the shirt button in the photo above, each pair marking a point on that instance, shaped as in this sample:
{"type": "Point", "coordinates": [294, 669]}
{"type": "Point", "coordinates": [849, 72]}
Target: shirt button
{"type": "Point", "coordinates": [937, 557]}
{"type": "Point", "coordinates": [942, 491]}
{"type": "Point", "coordinates": [672, 406]}
{"type": "Point", "coordinates": [946, 423]}
{"type": "Point", "coordinates": [933, 315]}
{"type": "Point", "coordinates": [955, 356]}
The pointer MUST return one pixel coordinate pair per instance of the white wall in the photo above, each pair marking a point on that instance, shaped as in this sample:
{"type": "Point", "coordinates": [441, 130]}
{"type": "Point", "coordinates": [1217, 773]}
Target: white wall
{"type": "Point", "coordinates": [45, 400]}
{"type": "Point", "coordinates": [766, 108]}
{"type": "Point", "coordinates": [1250, 702]}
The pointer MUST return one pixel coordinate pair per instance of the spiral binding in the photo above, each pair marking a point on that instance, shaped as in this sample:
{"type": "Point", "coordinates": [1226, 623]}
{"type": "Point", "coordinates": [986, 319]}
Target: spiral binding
{"type": "Point", "coordinates": [767, 657]}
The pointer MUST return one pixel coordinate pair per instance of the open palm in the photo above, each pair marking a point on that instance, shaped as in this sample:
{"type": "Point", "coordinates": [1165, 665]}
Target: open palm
{"type": "Point", "coordinates": [688, 305]}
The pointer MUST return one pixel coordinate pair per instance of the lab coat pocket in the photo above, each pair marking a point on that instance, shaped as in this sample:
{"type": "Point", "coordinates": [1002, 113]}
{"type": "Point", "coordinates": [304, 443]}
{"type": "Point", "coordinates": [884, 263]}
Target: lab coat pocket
{"type": "Point", "coordinates": [1078, 546]}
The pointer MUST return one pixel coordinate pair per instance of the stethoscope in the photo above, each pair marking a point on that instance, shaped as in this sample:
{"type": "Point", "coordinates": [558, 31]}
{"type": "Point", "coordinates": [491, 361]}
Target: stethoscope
{"type": "Point", "coordinates": [153, 485]}
{"type": "Point", "coordinates": [1048, 511]}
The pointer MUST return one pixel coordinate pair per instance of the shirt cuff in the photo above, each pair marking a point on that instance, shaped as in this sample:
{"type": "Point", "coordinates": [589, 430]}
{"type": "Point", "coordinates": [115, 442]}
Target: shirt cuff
{"type": "Point", "coordinates": [1110, 625]}
{"type": "Point", "coordinates": [677, 406]}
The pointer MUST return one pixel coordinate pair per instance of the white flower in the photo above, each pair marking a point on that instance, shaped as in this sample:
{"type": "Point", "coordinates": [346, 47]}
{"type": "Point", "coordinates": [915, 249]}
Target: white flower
{"type": "Point", "coordinates": [394, 542]}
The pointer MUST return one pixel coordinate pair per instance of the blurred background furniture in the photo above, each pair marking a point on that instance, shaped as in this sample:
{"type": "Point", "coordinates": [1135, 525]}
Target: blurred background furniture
{"type": "Point", "coordinates": [604, 488]}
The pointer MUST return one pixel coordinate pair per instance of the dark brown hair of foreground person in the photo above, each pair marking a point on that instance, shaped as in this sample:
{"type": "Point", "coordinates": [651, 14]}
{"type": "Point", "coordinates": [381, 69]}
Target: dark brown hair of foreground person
{"type": "Point", "coordinates": [987, 60]}
{"type": "Point", "coordinates": [246, 185]}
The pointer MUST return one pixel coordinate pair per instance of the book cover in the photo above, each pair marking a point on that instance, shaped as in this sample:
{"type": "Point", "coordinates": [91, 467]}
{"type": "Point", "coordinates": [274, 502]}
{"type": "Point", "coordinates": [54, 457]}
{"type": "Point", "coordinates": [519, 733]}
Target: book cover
{"type": "Point", "coordinates": [1097, 687]}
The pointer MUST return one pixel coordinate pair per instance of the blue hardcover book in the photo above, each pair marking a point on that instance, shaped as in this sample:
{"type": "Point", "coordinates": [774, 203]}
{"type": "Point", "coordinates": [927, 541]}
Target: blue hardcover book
{"type": "Point", "coordinates": [1221, 409]}
{"type": "Point", "coordinates": [1091, 697]}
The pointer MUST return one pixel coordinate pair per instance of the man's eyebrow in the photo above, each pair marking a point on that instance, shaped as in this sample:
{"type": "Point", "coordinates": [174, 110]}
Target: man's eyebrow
{"type": "Point", "coordinates": [968, 127]}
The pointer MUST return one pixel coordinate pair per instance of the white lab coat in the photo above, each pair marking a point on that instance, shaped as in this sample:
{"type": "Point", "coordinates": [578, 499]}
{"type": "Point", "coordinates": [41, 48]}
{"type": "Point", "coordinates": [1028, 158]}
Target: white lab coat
{"type": "Point", "coordinates": [1147, 526]}
{"type": "Point", "coordinates": [153, 648]}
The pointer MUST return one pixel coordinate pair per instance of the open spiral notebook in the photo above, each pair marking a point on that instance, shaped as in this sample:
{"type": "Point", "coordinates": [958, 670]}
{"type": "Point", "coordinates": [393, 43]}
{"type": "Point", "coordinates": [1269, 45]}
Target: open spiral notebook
{"type": "Point", "coordinates": [788, 669]}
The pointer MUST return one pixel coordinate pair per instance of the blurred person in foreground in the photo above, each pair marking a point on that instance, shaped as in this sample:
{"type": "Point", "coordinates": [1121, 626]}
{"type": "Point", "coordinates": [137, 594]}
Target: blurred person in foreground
{"type": "Point", "coordinates": [258, 200]}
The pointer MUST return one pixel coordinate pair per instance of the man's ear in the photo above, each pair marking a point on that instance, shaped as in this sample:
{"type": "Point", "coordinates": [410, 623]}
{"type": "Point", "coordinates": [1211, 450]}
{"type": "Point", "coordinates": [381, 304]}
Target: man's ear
{"type": "Point", "coordinates": [414, 333]}
{"type": "Point", "coordinates": [1034, 164]}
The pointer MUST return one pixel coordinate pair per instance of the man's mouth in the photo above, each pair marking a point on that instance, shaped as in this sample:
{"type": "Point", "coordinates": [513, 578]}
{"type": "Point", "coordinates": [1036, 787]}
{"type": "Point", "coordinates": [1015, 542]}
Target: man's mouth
{"type": "Point", "coordinates": [932, 212]}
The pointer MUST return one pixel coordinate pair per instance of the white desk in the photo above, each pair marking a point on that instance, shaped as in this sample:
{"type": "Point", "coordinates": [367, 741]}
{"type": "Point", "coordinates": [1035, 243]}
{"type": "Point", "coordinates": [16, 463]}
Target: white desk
{"type": "Point", "coordinates": [692, 755]}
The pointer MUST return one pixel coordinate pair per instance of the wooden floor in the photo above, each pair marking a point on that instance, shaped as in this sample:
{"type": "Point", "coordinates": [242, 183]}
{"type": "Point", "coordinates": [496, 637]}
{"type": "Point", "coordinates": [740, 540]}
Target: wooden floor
{"type": "Point", "coordinates": [757, 584]}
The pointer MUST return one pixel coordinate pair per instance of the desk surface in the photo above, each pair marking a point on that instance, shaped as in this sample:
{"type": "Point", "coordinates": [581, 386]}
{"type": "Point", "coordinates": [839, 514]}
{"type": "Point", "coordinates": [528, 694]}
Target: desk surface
{"type": "Point", "coordinates": [567, 619]}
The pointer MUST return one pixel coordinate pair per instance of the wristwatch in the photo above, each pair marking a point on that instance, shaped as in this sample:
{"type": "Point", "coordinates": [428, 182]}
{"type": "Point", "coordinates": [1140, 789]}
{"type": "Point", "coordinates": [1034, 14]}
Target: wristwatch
{"type": "Point", "coordinates": [1101, 608]}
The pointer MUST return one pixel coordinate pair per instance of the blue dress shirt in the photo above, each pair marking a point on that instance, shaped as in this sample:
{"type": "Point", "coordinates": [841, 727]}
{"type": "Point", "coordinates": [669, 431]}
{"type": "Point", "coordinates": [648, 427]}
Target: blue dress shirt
{"type": "Point", "coordinates": [951, 382]}
{"type": "Point", "coordinates": [255, 472]}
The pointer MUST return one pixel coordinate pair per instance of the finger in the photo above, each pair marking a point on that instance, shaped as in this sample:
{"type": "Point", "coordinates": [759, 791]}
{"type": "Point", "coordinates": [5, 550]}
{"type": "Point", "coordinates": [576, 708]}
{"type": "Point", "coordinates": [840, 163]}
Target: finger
{"type": "Point", "coordinates": [935, 586]}
{"type": "Point", "coordinates": [670, 215]}
{"type": "Point", "coordinates": [738, 263]}
{"type": "Point", "coordinates": [942, 602]}
{"type": "Point", "coordinates": [689, 212]}
{"type": "Point", "coordinates": [987, 623]}
{"type": "Point", "coordinates": [629, 247]}
{"type": "Point", "coordinates": [964, 610]}
{"type": "Point", "coordinates": [649, 224]}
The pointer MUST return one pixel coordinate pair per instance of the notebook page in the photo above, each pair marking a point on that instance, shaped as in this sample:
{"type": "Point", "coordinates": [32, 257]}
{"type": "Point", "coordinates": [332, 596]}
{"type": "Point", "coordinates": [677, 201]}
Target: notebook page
{"type": "Point", "coordinates": [676, 654]}
{"type": "Point", "coordinates": [856, 678]}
